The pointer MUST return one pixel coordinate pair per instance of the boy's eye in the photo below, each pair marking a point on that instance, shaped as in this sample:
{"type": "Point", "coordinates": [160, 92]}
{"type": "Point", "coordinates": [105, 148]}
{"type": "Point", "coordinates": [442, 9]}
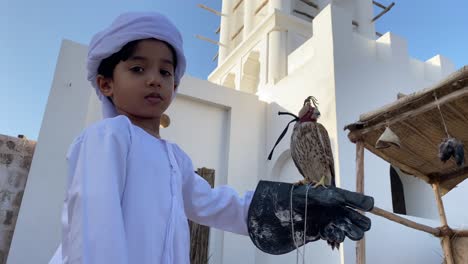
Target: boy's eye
{"type": "Point", "coordinates": [166, 73]}
{"type": "Point", "coordinates": [137, 69]}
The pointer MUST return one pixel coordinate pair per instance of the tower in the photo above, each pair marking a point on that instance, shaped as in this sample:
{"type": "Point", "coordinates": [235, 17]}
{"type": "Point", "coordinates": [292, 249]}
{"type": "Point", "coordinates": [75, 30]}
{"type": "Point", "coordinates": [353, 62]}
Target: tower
{"type": "Point", "coordinates": [257, 36]}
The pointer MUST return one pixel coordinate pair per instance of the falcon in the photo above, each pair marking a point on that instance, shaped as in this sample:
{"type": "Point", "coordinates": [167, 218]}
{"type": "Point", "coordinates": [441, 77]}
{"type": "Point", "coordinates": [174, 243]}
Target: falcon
{"type": "Point", "coordinates": [311, 148]}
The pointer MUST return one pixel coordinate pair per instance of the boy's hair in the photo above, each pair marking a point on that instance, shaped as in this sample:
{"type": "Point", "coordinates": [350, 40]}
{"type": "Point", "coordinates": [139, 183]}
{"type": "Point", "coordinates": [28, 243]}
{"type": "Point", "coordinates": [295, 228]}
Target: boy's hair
{"type": "Point", "coordinates": [107, 66]}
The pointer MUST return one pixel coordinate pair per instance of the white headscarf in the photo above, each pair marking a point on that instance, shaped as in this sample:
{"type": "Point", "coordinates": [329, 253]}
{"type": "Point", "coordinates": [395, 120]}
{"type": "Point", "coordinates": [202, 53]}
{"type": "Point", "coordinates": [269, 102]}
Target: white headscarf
{"type": "Point", "coordinates": [126, 28]}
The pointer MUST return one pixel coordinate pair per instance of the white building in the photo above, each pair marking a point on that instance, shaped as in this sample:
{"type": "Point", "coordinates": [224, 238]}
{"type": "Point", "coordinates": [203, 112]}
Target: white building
{"type": "Point", "coordinates": [273, 54]}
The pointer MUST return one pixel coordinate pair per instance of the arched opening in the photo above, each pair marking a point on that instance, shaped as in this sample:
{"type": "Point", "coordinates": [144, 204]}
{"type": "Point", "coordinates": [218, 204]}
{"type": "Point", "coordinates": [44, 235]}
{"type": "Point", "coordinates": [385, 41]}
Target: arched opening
{"type": "Point", "coordinates": [250, 73]}
{"type": "Point", "coordinates": [411, 195]}
{"type": "Point", "coordinates": [398, 194]}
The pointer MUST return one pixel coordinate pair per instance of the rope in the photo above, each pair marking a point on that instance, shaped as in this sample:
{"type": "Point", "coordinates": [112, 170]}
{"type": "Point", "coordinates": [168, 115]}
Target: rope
{"type": "Point", "coordinates": [293, 234]}
{"type": "Point", "coordinates": [305, 224]}
{"type": "Point", "coordinates": [441, 116]}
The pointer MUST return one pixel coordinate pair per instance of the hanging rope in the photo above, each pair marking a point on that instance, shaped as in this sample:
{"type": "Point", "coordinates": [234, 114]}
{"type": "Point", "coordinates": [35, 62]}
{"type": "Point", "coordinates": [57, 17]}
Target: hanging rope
{"type": "Point", "coordinates": [441, 116]}
{"type": "Point", "coordinates": [284, 131]}
{"type": "Point", "coordinates": [293, 234]}
{"type": "Point", "coordinates": [305, 224]}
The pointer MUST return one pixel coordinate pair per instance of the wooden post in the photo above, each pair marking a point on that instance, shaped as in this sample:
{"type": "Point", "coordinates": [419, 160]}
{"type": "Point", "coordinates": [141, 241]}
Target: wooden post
{"type": "Point", "coordinates": [443, 219]}
{"type": "Point", "coordinates": [461, 233]}
{"type": "Point", "coordinates": [200, 234]}
{"type": "Point", "coordinates": [361, 244]}
{"type": "Point", "coordinates": [398, 219]}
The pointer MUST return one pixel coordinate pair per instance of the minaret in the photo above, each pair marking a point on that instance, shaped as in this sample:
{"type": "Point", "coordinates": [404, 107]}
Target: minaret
{"type": "Point", "coordinates": [256, 37]}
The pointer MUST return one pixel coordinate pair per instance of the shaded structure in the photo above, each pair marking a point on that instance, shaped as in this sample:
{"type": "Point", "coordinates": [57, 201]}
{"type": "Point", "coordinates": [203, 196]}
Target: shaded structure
{"type": "Point", "coordinates": [421, 121]}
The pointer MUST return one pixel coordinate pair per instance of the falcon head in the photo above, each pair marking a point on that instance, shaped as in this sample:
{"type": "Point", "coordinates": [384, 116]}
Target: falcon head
{"type": "Point", "coordinates": [309, 112]}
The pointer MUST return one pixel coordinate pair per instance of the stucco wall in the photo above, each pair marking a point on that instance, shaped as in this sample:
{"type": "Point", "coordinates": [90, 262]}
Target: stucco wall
{"type": "Point", "coordinates": [15, 161]}
{"type": "Point", "coordinates": [350, 75]}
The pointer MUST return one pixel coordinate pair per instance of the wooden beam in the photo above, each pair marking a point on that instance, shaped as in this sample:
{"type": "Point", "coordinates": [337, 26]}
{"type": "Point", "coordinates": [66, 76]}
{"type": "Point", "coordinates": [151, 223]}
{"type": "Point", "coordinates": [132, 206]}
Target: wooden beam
{"type": "Point", "coordinates": [378, 4]}
{"type": "Point", "coordinates": [237, 5]}
{"type": "Point", "coordinates": [406, 222]}
{"type": "Point", "coordinates": [360, 167]}
{"type": "Point", "coordinates": [383, 12]}
{"type": "Point", "coordinates": [264, 3]}
{"type": "Point", "coordinates": [405, 115]}
{"type": "Point", "coordinates": [398, 164]}
{"type": "Point", "coordinates": [460, 233]}
{"type": "Point", "coordinates": [303, 13]}
{"type": "Point", "coordinates": [310, 3]}
{"type": "Point", "coordinates": [209, 9]}
{"type": "Point", "coordinates": [237, 32]}
{"type": "Point", "coordinates": [446, 245]}
{"type": "Point", "coordinates": [215, 57]}
{"type": "Point", "coordinates": [210, 40]}
{"type": "Point", "coordinates": [444, 177]}
{"type": "Point", "coordinates": [361, 244]}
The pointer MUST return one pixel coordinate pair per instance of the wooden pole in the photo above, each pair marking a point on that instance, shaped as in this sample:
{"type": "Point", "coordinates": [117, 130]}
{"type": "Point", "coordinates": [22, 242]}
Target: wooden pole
{"type": "Point", "coordinates": [361, 244]}
{"type": "Point", "coordinates": [210, 9]}
{"type": "Point", "coordinates": [443, 219]}
{"type": "Point", "coordinates": [460, 233]}
{"type": "Point", "coordinates": [210, 40]}
{"type": "Point", "coordinates": [379, 4]}
{"type": "Point", "coordinates": [264, 3]}
{"type": "Point", "coordinates": [383, 12]}
{"type": "Point", "coordinates": [398, 219]}
{"type": "Point", "coordinates": [309, 3]}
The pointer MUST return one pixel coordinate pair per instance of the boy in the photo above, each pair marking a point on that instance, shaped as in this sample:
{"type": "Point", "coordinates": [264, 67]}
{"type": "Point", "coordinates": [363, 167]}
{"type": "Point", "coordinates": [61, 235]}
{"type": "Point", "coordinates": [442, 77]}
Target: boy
{"type": "Point", "coordinates": [129, 191]}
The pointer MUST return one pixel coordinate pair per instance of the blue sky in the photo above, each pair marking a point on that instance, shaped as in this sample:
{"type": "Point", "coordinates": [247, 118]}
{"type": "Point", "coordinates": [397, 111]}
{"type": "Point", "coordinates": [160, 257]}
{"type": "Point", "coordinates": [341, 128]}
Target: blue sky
{"type": "Point", "coordinates": [31, 33]}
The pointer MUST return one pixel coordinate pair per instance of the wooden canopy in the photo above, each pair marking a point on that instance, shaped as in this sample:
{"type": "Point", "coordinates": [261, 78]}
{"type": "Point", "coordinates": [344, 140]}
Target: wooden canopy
{"type": "Point", "coordinates": [419, 124]}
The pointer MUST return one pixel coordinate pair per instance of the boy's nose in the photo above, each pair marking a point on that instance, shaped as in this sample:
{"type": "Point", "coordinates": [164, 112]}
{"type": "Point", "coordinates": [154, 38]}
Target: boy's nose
{"type": "Point", "coordinates": [153, 79]}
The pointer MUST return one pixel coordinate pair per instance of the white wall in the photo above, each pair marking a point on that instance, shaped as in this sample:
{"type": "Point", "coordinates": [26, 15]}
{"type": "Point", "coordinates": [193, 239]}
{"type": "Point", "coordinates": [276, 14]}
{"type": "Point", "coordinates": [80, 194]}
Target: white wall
{"type": "Point", "coordinates": [350, 75]}
{"type": "Point", "coordinates": [38, 228]}
{"type": "Point", "coordinates": [419, 197]}
{"type": "Point", "coordinates": [245, 150]}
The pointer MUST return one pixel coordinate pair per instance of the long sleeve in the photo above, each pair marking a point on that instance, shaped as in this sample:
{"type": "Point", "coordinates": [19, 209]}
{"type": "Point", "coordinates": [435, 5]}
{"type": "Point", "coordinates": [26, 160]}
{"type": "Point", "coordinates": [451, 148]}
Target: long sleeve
{"type": "Point", "coordinates": [219, 207]}
{"type": "Point", "coordinates": [97, 173]}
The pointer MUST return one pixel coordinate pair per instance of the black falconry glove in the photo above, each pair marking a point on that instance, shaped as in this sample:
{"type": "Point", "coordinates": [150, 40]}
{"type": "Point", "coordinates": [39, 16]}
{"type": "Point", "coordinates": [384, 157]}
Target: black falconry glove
{"type": "Point", "coordinates": [331, 216]}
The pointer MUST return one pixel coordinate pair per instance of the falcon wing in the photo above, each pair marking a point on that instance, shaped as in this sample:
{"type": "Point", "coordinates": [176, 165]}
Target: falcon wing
{"type": "Point", "coordinates": [327, 151]}
{"type": "Point", "coordinates": [293, 151]}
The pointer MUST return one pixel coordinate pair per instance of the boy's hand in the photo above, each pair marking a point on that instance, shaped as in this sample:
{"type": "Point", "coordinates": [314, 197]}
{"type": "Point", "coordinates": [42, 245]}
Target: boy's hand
{"type": "Point", "coordinates": [331, 216]}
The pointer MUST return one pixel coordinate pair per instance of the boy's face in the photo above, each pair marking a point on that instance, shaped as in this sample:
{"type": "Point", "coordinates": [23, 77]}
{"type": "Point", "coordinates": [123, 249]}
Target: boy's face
{"type": "Point", "coordinates": [142, 86]}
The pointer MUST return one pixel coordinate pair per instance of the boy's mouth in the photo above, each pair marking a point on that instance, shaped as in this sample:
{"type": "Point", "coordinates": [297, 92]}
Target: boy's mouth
{"type": "Point", "coordinates": [153, 98]}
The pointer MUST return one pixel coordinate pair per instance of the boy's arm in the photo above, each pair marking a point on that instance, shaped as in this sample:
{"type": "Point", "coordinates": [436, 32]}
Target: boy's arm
{"type": "Point", "coordinates": [96, 232]}
{"type": "Point", "coordinates": [219, 207]}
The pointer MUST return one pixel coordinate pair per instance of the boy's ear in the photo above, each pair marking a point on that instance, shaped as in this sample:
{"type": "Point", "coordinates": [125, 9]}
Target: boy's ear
{"type": "Point", "coordinates": [105, 85]}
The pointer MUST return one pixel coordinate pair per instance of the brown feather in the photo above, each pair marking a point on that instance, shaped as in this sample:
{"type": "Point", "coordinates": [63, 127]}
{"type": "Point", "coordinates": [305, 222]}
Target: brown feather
{"type": "Point", "coordinates": [311, 152]}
